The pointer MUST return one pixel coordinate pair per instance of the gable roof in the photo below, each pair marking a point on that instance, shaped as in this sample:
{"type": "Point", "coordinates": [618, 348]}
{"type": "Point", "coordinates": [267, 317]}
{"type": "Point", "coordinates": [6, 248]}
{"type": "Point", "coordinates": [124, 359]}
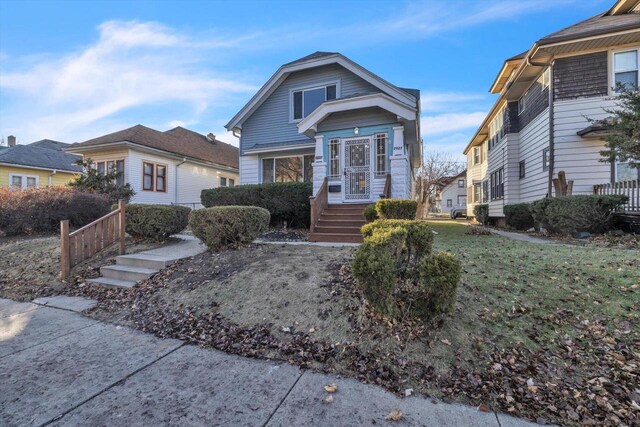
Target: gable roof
{"type": "Point", "coordinates": [314, 60]}
{"type": "Point", "coordinates": [179, 140]}
{"type": "Point", "coordinates": [44, 154]}
{"type": "Point", "coordinates": [602, 23]}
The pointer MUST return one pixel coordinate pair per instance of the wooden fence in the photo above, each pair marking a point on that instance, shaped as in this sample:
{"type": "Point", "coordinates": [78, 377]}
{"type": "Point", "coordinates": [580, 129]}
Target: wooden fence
{"type": "Point", "coordinates": [629, 188]}
{"type": "Point", "coordinates": [87, 241]}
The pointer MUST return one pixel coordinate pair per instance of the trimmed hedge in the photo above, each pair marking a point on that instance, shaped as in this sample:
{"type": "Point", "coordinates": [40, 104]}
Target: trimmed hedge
{"type": "Point", "coordinates": [222, 226]}
{"type": "Point", "coordinates": [370, 213]}
{"type": "Point", "coordinates": [481, 213]}
{"type": "Point", "coordinates": [398, 273]}
{"type": "Point", "coordinates": [155, 222]}
{"type": "Point", "coordinates": [396, 208]}
{"type": "Point", "coordinates": [40, 210]}
{"type": "Point", "coordinates": [287, 202]}
{"type": "Point", "coordinates": [571, 214]}
{"type": "Point", "coordinates": [518, 216]}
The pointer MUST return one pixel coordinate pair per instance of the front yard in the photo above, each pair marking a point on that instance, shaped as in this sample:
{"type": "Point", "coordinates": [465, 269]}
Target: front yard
{"type": "Point", "coordinates": [546, 332]}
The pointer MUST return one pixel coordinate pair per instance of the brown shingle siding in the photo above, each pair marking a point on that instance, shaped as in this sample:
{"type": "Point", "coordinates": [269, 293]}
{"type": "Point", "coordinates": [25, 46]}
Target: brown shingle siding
{"type": "Point", "coordinates": [582, 76]}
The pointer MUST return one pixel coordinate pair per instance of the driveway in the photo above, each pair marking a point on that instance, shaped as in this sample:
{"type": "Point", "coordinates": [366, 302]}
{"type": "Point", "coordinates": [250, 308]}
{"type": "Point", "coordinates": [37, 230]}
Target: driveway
{"type": "Point", "coordinates": [58, 367]}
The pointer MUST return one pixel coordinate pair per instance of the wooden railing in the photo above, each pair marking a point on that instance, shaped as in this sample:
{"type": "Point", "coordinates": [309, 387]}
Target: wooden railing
{"type": "Point", "coordinates": [387, 187]}
{"type": "Point", "coordinates": [87, 241]}
{"type": "Point", "coordinates": [629, 188]}
{"type": "Point", "coordinates": [319, 204]}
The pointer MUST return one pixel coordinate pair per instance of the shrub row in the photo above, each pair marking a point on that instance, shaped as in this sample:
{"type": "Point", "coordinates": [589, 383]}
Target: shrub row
{"type": "Point", "coordinates": [481, 213]}
{"type": "Point", "coordinates": [155, 222]}
{"type": "Point", "coordinates": [398, 273]}
{"type": "Point", "coordinates": [287, 202]}
{"type": "Point", "coordinates": [223, 226]}
{"type": "Point", "coordinates": [40, 210]}
{"type": "Point", "coordinates": [518, 216]}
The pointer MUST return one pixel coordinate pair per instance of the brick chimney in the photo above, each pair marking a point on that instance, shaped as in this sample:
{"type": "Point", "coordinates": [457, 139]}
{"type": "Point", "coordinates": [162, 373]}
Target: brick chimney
{"type": "Point", "coordinates": [11, 140]}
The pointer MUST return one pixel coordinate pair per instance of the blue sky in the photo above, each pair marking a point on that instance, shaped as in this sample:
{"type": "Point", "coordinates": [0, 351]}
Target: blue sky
{"type": "Point", "coordinates": [74, 70]}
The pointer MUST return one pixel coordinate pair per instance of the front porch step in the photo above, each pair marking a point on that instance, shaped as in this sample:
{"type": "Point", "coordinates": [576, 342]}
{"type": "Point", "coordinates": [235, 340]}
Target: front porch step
{"type": "Point", "coordinates": [335, 238]}
{"type": "Point", "coordinates": [360, 206]}
{"type": "Point", "coordinates": [127, 272]}
{"type": "Point", "coordinates": [111, 283]}
{"type": "Point", "coordinates": [143, 260]}
{"type": "Point", "coordinates": [350, 211]}
{"type": "Point", "coordinates": [340, 223]}
{"type": "Point", "coordinates": [342, 216]}
{"type": "Point", "coordinates": [336, 230]}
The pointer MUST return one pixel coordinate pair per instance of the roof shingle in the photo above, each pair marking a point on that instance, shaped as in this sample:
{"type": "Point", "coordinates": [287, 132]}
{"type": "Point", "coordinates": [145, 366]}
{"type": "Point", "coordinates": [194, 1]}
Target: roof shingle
{"type": "Point", "coordinates": [45, 154]}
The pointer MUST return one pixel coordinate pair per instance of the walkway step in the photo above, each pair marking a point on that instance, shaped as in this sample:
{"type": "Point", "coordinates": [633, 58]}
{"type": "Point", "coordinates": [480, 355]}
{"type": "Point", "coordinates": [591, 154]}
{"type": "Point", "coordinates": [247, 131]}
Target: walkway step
{"type": "Point", "coordinates": [112, 283]}
{"type": "Point", "coordinates": [335, 238]}
{"type": "Point", "coordinates": [127, 272]}
{"type": "Point", "coordinates": [143, 260]}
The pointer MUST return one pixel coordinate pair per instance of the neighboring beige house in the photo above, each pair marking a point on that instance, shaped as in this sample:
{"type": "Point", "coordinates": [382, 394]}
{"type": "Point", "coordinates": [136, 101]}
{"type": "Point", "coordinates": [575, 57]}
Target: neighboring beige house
{"type": "Point", "coordinates": [453, 193]}
{"type": "Point", "coordinates": [539, 127]}
{"type": "Point", "coordinates": [171, 167]}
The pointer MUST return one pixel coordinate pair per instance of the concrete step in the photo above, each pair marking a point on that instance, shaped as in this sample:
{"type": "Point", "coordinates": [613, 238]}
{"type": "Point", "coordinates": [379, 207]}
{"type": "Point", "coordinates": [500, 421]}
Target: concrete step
{"type": "Point", "coordinates": [112, 283]}
{"type": "Point", "coordinates": [335, 238]}
{"type": "Point", "coordinates": [337, 230]}
{"type": "Point", "coordinates": [143, 260]}
{"type": "Point", "coordinates": [340, 223]}
{"type": "Point", "coordinates": [127, 272]}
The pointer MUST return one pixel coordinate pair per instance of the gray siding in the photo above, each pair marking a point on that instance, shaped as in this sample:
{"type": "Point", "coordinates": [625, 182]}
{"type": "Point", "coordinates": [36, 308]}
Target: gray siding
{"type": "Point", "coordinates": [357, 118]}
{"type": "Point", "coordinates": [270, 122]}
{"type": "Point", "coordinates": [534, 138]}
{"type": "Point", "coordinates": [536, 101]}
{"type": "Point", "coordinates": [582, 76]}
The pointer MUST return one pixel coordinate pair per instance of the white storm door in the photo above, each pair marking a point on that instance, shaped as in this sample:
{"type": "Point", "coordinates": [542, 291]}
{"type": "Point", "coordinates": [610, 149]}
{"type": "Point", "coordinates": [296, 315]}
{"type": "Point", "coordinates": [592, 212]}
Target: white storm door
{"type": "Point", "coordinates": [357, 170]}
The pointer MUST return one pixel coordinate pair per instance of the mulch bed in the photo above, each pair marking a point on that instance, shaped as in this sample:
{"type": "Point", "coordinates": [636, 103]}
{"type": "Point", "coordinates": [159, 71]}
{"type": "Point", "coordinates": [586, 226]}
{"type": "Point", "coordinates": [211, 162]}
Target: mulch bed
{"type": "Point", "coordinates": [284, 236]}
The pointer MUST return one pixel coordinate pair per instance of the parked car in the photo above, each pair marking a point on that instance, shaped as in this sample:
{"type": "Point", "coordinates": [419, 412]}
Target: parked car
{"type": "Point", "coordinates": [459, 211]}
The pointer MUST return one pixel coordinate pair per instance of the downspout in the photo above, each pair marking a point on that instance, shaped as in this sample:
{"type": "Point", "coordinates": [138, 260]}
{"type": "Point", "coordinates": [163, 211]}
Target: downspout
{"type": "Point", "coordinates": [175, 192]}
{"type": "Point", "coordinates": [50, 181]}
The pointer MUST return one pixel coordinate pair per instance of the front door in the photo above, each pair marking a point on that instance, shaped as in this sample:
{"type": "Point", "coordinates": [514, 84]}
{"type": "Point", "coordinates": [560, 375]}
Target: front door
{"type": "Point", "coordinates": [357, 170]}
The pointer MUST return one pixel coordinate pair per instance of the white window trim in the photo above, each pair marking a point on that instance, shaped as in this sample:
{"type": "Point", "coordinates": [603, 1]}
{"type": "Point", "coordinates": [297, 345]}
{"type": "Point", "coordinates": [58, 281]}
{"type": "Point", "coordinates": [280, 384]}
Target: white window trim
{"type": "Point", "coordinates": [522, 103]}
{"type": "Point", "coordinates": [615, 167]}
{"type": "Point", "coordinates": [612, 67]}
{"type": "Point", "coordinates": [339, 144]}
{"type": "Point", "coordinates": [24, 180]}
{"type": "Point", "coordinates": [309, 87]}
{"type": "Point", "coordinates": [302, 156]}
{"type": "Point", "coordinates": [477, 148]}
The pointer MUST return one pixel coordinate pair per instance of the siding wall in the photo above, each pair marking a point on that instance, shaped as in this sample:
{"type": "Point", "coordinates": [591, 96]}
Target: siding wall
{"type": "Point", "coordinates": [358, 118]}
{"type": "Point", "coordinates": [193, 178]}
{"type": "Point", "coordinates": [536, 101]}
{"type": "Point", "coordinates": [249, 168]}
{"type": "Point", "coordinates": [497, 159]}
{"type": "Point", "coordinates": [270, 122]}
{"type": "Point", "coordinates": [533, 139]}
{"type": "Point", "coordinates": [581, 76]}
{"type": "Point", "coordinates": [136, 158]}
{"type": "Point", "coordinates": [580, 157]}
{"type": "Point", "coordinates": [475, 174]}
{"type": "Point", "coordinates": [452, 191]}
{"type": "Point", "coordinates": [59, 178]}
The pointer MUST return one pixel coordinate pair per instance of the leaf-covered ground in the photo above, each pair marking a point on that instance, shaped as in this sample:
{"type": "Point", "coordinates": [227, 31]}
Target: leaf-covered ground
{"type": "Point", "coordinates": [547, 332]}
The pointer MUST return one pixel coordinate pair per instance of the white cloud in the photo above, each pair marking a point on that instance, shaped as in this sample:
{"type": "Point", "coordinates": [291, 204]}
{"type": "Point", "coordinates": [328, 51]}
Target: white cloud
{"type": "Point", "coordinates": [443, 123]}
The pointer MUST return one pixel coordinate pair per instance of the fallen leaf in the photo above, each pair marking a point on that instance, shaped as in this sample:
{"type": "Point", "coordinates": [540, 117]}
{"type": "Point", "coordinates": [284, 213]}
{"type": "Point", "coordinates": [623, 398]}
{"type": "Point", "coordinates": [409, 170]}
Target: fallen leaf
{"type": "Point", "coordinates": [484, 408]}
{"type": "Point", "coordinates": [331, 388]}
{"type": "Point", "coordinates": [395, 415]}
{"type": "Point", "coordinates": [445, 341]}
{"type": "Point", "coordinates": [408, 392]}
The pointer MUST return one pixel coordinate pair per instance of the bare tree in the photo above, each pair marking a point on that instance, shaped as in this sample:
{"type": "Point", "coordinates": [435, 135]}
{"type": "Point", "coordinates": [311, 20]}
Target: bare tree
{"type": "Point", "coordinates": [436, 166]}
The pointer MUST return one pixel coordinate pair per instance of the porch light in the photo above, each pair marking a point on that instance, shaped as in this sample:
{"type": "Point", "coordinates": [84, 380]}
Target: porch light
{"type": "Point", "coordinates": [356, 130]}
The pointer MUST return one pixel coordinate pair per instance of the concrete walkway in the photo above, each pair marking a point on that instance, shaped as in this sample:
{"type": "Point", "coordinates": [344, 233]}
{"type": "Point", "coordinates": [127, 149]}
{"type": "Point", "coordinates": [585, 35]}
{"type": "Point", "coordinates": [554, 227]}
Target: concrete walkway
{"type": "Point", "coordinates": [58, 367]}
{"type": "Point", "coordinates": [522, 237]}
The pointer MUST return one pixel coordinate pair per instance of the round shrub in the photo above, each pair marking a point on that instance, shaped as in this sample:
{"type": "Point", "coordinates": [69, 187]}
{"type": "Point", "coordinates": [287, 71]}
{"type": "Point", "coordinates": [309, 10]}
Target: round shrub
{"type": "Point", "coordinates": [518, 216]}
{"type": "Point", "coordinates": [155, 222]}
{"type": "Point", "coordinates": [396, 208]}
{"type": "Point", "coordinates": [419, 238]}
{"type": "Point", "coordinates": [435, 291]}
{"type": "Point", "coordinates": [370, 213]}
{"type": "Point", "coordinates": [481, 213]}
{"type": "Point", "coordinates": [223, 226]}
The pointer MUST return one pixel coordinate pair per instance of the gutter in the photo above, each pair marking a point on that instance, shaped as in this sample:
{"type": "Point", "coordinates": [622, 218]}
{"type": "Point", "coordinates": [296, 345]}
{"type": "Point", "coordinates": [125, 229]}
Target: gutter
{"type": "Point", "coordinates": [551, 131]}
{"type": "Point", "coordinates": [53, 172]}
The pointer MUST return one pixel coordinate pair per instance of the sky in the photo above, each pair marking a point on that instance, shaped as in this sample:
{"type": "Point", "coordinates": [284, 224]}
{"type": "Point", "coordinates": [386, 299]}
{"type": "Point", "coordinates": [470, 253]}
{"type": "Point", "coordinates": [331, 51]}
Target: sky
{"type": "Point", "coordinates": [75, 70]}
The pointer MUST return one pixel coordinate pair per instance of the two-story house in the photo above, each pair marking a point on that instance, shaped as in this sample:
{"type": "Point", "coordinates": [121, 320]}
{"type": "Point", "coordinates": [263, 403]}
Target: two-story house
{"type": "Point", "coordinates": [539, 124]}
{"type": "Point", "coordinates": [325, 119]}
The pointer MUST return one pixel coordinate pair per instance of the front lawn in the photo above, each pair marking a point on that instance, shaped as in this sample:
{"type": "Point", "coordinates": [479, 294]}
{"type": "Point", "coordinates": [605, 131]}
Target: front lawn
{"type": "Point", "coordinates": [546, 332]}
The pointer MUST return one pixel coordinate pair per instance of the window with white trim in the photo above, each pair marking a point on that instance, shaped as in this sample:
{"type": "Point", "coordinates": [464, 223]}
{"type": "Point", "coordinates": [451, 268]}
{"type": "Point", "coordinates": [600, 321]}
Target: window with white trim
{"type": "Point", "coordinates": [449, 203]}
{"type": "Point", "coordinates": [334, 158]}
{"type": "Point", "coordinates": [381, 140]}
{"type": "Point", "coordinates": [476, 155]}
{"type": "Point", "coordinates": [522, 103]}
{"type": "Point", "coordinates": [23, 181]}
{"type": "Point", "coordinates": [287, 169]}
{"type": "Point", "coordinates": [496, 128]}
{"type": "Point", "coordinates": [625, 68]}
{"type": "Point", "coordinates": [546, 159]}
{"type": "Point", "coordinates": [477, 193]}
{"type": "Point", "coordinates": [545, 78]}
{"type": "Point", "coordinates": [462, 200]}
{"type": "Point", "coordinates": [223, 181]}
{"type": "Point", "coordinates": [461, 183]}
{"type": "Point", "coordinates": [497, 184]}
{"type": "Point", "coordinates": [304, 101]}
{"type": "Point", "coordinates": [624, 171]}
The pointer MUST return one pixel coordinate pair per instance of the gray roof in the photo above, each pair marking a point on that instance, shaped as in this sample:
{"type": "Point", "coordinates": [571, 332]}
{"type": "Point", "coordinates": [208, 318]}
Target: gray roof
{"type": "Point", "coordinates": [597, 25]}
{"type": "Point", "coordinates": [45, 154]}
{"type": "Point", "coordinates": [314, 55]}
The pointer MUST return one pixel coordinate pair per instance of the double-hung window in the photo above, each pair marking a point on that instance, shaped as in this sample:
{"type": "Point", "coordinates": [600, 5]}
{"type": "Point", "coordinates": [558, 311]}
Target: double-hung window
{"type": "Point", "coordinates": [304, 101]}
{"type": "Point", "coordinates": [496, 128]}
{"type": "Point", "coordinates": [334, 158]}
{"type": "Point", "coordinates": [497, 184]}
{"type": "Point", "coordinates": [380, 140]}
{"type": "Point", "coordinates": [522, 103]}
{"type": "Point", "coordinates": [485, 191]}
{"type": "Point", "coordinates": [522, 169]}
{"type": "Point", "coordinates": [223, 181]}
{"type": "Point", "coordinates": [476, 155]}
{"type": "Point", "coordinates": [625, 68]}
{"type": "Point", "coordinates": [154, 177]}
{"type": "Point", "coordinates": [477, 193]}
{"type": "Point", "coordinates": [23, 181]}
{"type": "Point", "coordinates": [106, 166]}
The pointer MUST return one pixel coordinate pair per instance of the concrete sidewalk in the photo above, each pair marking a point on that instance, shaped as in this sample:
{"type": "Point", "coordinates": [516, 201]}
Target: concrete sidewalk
{"type": "Point", "coordinates": [61, 368]}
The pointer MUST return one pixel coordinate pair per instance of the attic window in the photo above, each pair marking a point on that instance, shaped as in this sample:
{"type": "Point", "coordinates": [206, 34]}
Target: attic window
{"type": "Point", "coordinates": [304, 101]}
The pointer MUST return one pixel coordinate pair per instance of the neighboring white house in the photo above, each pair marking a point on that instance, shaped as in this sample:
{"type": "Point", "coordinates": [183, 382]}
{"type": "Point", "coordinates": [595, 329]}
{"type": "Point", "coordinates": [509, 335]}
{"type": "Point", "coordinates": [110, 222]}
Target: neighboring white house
{"type": "Point", "coordinates": [539, 125]}
{"type": "Point", "coordinates": [171, 167]}
{"type": "Point", "coordinates": [454, 193]}
{"type": "Point", "coordinates": [325, 119]}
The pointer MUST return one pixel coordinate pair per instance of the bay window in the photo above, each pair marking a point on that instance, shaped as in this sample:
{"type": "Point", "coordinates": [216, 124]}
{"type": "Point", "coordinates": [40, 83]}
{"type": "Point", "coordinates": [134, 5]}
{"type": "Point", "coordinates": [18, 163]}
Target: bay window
{"type": "Point", "coordinates": [304, 101]}
{"type": "Point", "coordinates": [287, 169]}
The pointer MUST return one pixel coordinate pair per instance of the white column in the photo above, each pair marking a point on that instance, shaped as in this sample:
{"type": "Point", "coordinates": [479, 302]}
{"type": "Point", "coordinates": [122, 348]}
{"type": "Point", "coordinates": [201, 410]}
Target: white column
{"type": "Point", "coordinates": [399, 166]}
{"type": "Point", "coordinates": [319, 165]}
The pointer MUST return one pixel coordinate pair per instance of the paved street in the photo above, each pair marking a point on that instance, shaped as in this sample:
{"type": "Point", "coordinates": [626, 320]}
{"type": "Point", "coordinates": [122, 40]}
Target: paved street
{"type": "Point", "coordinates": [58, 367]}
